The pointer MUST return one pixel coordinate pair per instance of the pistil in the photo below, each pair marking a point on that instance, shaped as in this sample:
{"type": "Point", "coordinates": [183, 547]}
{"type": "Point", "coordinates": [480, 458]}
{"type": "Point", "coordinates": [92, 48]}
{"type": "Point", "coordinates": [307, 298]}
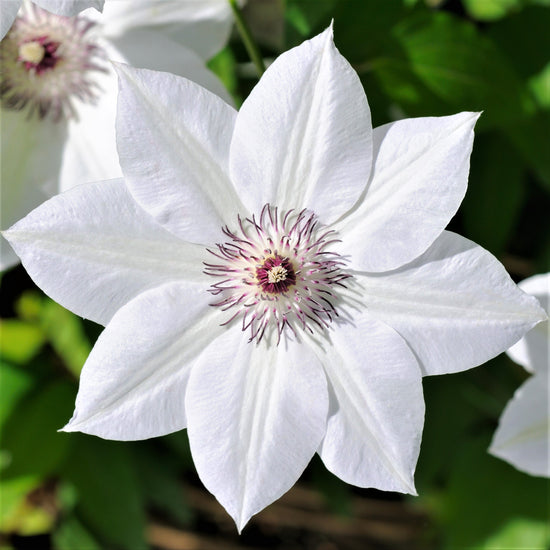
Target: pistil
{"type": "Point", "coordinates": [276, 273]}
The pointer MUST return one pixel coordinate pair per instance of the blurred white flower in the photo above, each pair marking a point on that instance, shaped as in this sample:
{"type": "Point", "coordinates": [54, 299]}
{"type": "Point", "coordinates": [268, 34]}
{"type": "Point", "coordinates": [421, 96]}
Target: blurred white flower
{"type": "Point", "coordinates": [523, 435]}
{"type": "Point", "coordinates": [335, 284]}
{"type": "Point", "coordinates": [59, 92]}
{"type": "Point", "coordinates": [9, 9]}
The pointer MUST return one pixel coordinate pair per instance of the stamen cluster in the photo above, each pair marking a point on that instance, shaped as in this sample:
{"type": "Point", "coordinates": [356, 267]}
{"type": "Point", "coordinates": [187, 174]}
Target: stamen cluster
{"type": "Point", "coordinates": [45, 64]}
{"type": "Point", "coordinates": [276, 273]}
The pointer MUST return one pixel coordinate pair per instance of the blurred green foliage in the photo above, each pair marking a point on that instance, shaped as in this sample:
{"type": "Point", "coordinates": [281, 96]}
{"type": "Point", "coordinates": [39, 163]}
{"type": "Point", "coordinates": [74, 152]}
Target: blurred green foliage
{"type": "Point", "coordinates": [414, 58]}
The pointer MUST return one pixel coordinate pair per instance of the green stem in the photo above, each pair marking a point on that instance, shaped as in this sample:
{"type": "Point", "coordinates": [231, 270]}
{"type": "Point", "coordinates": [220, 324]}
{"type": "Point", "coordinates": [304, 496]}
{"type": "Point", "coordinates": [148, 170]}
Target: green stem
{"type": "Point", "coordinates": [249, 42]}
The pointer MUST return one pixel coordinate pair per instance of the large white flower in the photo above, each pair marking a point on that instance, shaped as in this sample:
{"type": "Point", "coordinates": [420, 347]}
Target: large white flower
{"type": "Point", "coordinates": [58, 91]}
{"type": "Point", "coordinates": [523, 435]}
{"type": "Point", "coordinates": [276, 280]}
{"type": "Point", "coordinates": [9, 9]}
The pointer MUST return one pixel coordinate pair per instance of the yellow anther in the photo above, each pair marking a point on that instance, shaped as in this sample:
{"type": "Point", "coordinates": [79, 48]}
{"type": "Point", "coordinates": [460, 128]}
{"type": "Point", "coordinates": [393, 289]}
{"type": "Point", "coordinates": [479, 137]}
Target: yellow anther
{"type": "Point", "coordinates": [32, 52]}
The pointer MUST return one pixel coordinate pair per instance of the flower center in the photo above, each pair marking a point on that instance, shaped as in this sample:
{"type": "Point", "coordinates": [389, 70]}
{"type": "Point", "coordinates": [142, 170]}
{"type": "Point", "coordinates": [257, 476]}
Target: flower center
{"type": "Point", "coordinates": [32, 52]}
{"type": "Point", "coordinates": [45, 62]}
{"type": "Point", "coordinates": [276, 273]}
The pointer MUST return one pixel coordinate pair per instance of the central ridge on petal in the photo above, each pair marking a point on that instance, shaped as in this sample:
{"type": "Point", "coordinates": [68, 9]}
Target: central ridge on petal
{"type": "Point", "coordinates": [276, 273]}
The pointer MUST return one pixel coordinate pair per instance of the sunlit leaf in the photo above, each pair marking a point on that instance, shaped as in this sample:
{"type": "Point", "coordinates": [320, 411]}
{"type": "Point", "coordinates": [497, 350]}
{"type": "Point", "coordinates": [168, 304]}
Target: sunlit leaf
{"type": "Point", "coordinates": [62, 329]}
{"type": "Point", "coordinates": [21, 514]}
{"type": "Point", "coordinates": [224, 65]}
{"type": "Point", "coordinates": [489, 10]}
{"type": "Point", "coordinates": [490, 497]}
{"type": "Point", "coordinates": [20, 341]}
{"type": "Point", "coordinates": [457, 64]}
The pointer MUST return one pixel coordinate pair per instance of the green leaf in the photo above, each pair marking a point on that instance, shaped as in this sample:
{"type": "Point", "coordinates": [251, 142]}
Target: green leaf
{"type": "Point", "coordinates": [224, 65]}
{"type": "Point", "coordinates": [158, 475]}
{"type": "Point", "coordinates": [530, 137]}
{"type": "Point", "coordinates": [467, 399]}
{"type": "Point", "coordinates": [486, 495]}
{"type": "Point", "coordinates": [31, 436]}
{"type": "Point", "coordinates": [457, 64]}
{"type": "Point", "coordinates": [15, 382]}
{"type": "Point", "coordinates": [362, 29]}
{"type": "Point", "coordinates": [336, 492]}
{"type": "Point", "coordinates": [66, 335]}
{"type": "Point", "coordinates": [490, 10]}
{"type": "Point", "coordinates": [20, 341]}
{"type": "Point", "coordinates": [496, 192]}
{"type": "Point", "coordinates": [14, 493]}
{"type": "Point", "coordinates": [110, 503]}
{"type": "Point", "coordinates": [72, 535]}
{"type": "Point", "coordinates": [540, 87]}
{"type": "Point", "coordinates": [61, 328]}
{"type": "Point", "coordinates": [304, 15]}
{"type": "Point", "coordinates": [524, 39]}
{"type": "Point", "coordinates": [519, 533]}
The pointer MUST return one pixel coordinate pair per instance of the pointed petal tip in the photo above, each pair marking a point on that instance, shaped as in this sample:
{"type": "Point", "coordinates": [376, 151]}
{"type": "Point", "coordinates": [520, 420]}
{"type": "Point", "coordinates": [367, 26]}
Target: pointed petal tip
{"type": "Point", "coordinates": [69, 427]}
{"type": "Point", "coordinates": [538, 314]}
{"type": "Point", "coordinates": [411, 490]}
{"type": "Point", "coordinates": [329, 33]}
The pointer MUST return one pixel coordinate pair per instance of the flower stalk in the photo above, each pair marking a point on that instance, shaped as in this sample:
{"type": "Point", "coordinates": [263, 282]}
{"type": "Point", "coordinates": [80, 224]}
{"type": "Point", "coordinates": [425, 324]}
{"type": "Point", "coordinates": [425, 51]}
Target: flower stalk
{"type": "Point", "coordinates": [248, 39]}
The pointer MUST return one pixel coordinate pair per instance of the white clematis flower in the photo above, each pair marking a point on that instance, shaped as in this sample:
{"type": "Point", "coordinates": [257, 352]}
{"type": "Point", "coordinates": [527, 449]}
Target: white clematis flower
{"type": "Point", "coordinates": [276, 280]}
{"type": "Point", "coordinates": [523, 435]}
{"type": "Point", "coordinates": [58, 93]}
{"type": "Point", "coordinates": [9, 9]}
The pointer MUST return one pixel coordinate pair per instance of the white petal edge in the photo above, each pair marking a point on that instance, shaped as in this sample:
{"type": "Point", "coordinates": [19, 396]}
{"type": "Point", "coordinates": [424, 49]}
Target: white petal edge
{"type": "Point", "coordinates": [418, 181]}
{"type": "Point", "coordinates": [90, 152]}
{"type": "Point", "coordinates": [92, 249]}
{"type": "Point", "coordinates": [133, 384]}
{"type": "Point", "coordinates": [523, 436]}
{"type": "Point", "coordinates": [8, 13]}
{"type": "Point", "coordinates": [455, 305]}
{"type": "Point", "coordinates": [69, 7]}
{"type": "Point", "coordinates": [376, 406]}
{"type": "Point", "coordinates": [203, 26]}
{"type": "Point", "coordinates": [31, 153]}
{"type": "Point", "coordinates": [173, 144]}
{"type": "Point", "coordinates": [303, 137]}
{"type": "Point", "coordinates": [148, 50]}
{"type": "Point", "coordinates": [256, 415]}
{"type": "Point", "coordinates": [533, 351]}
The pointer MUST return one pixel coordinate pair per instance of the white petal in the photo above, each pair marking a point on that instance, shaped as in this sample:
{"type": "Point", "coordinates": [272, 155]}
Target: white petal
{"type": "Point", "coordinates": [90, 152]}
{"type": "Point", "coordinates": [201, 25]}
{"type": "Point", "coordinates": [8, 12]}
{"type": "Point", "coordinates": [31, 157]}
{"type": "Point", "coordinates": [455, 305]}
{"type": "Point", "coordinates": [303, 137]}
{"type": "Point", "coordinates": [92, 249]}
{"type": "Point", "coordinates": [256, 415]}
{"type": "Point", "coordinates": [153, 50]}
{"type": "Point", "coordinates": [133, 383]}
{"type": "Point", "coordinates": [377, 407]}
{"type": "Point", "coordinates": [532, 351]}
{"type": "Point", "coordinates": [522, 437]}
{"type": "Point", "coordinates": [173, 143]}
{"type": "Point", "coordinates": [69, 7]}
{"type": "Point", "coordinates": [419, 179]}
